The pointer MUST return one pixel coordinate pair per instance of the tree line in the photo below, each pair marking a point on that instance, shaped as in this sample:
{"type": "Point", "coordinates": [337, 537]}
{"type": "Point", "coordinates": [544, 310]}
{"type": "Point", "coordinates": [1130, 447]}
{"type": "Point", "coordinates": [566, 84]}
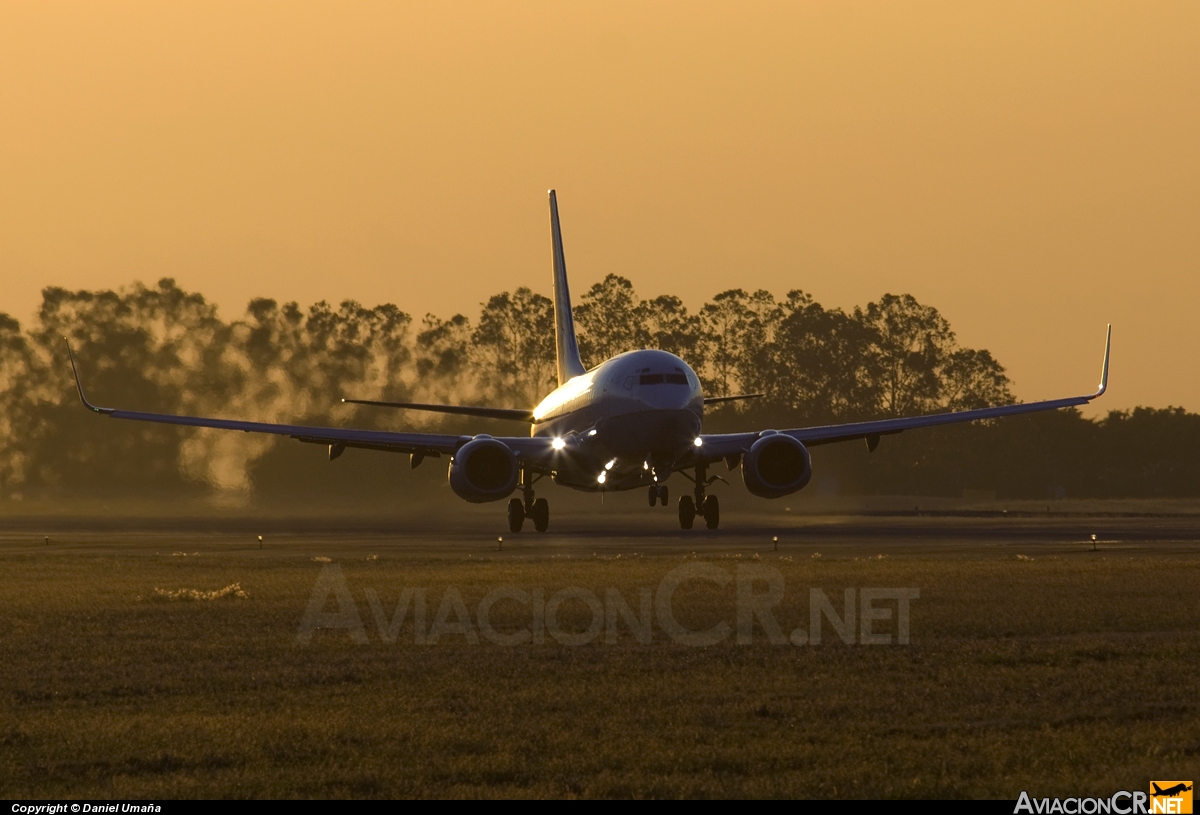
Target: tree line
{"type": "Point", "coordinates": [165, 349]}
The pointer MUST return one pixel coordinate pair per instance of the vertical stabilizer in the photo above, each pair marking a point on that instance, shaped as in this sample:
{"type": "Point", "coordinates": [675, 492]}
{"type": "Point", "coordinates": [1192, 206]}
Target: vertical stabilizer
{"type": "Point", "coordinates": [569, 364]}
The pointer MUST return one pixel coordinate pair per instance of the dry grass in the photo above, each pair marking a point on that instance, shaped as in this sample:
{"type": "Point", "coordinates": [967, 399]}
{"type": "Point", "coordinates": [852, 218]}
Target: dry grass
{"type": "Point", "coordinates": [233, 590]}
{"type": "Point", "coordinates": [1065, 675]}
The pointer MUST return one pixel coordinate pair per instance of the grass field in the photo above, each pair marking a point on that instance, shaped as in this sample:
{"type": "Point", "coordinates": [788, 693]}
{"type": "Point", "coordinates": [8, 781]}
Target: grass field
{"type": "Point", "coordinates": [1064, 674]}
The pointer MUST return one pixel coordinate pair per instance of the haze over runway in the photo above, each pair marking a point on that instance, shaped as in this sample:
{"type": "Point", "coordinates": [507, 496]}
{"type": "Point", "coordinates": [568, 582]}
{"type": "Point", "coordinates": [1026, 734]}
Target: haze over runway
{"type": "Point", "coordinates": [1028, 169]}
{"type": "Point", "coordinates": [950, 534]}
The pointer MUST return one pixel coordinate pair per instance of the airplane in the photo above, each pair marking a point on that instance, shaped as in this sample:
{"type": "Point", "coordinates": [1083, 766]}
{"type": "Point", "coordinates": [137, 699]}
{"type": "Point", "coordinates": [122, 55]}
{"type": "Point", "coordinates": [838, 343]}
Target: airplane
{"type": "Point", "coordinates": [1170, 792]}
{"type": "Point", "coordinates": [630, 422]}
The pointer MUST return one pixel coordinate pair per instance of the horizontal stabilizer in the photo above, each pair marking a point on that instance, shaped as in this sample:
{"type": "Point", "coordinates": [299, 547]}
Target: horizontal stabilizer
{"type": "Point", "coordinates": [461, 410]}
{"type": "Point", "coordinates": [715, 400]}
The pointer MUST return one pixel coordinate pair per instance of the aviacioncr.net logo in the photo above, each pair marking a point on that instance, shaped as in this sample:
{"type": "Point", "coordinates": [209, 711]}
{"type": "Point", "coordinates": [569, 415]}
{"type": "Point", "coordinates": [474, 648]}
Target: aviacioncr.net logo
{"type": "Point", "coordinates": [1164, 798]}
{"type": "Point", "coordinates": [1170, 797]}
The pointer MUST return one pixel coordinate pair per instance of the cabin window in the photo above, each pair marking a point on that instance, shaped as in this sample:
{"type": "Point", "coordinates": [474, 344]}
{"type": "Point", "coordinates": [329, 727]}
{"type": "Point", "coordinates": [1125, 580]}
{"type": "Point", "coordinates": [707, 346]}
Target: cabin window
{"type": "Point", "coordinates": [659, 379]}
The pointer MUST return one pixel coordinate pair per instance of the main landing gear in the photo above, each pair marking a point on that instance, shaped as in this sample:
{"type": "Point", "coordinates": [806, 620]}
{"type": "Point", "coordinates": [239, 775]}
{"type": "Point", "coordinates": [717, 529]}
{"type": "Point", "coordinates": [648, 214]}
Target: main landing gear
{"type": "Point", "coordinates": [706, 506]}
{"type": "Point", "coordinates": [537, 511]}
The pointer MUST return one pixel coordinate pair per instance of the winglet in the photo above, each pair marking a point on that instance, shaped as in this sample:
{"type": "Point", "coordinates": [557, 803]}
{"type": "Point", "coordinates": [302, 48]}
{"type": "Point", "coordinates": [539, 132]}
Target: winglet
{"type": "Point", "coordinates": [79, 385]}
{"type": "Point", "coordinates": [1104, 370]}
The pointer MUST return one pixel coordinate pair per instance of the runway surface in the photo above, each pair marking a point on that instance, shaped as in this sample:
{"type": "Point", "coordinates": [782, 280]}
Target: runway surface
{"type": "Point", "coordinates": [959, 535]}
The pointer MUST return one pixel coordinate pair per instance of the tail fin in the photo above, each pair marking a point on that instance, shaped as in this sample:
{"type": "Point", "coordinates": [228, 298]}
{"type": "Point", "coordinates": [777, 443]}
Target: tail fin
{"type": "Point", "coordinates": [569, 364]}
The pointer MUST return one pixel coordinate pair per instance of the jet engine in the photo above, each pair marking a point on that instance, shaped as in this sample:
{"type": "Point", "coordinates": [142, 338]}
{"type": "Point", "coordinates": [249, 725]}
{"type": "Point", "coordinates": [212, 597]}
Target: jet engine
{"type": "Point", "coordinates": [776, 465]}
{"type": "Point", "coordinates": [484, 469]}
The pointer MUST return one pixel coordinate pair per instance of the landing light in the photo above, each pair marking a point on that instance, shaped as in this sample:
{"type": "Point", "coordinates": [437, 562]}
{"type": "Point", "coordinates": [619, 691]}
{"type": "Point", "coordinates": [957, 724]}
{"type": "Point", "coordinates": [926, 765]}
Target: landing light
{"type": "Point", "coordinates": [558, 444]}
{"type": "Point", "coordinates": [610, 464]}
{"type": "Point", "coordinates": [591, 432]}
{"type": "Point", "coordinates": [698, 442]}
{"type": "Point", "coordinates": [601, 477]}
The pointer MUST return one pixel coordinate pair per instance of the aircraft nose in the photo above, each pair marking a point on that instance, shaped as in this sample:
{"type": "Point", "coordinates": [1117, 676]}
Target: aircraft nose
{"type": "Point", "coordinates": [666, 397]}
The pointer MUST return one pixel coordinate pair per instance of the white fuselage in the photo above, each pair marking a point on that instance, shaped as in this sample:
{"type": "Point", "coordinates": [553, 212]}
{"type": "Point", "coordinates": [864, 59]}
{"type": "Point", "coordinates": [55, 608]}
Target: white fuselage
{"type": "Point", "coordinates": [626, 423]}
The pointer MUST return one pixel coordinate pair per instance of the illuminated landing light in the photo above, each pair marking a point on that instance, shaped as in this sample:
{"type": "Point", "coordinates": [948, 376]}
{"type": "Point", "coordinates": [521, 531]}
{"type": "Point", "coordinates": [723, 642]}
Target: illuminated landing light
{"type": "Point", "coordinates": [698, 442]}
{"type": "Point", "coordinates": [558, 444]}
{"type": "Point", "coordinates": [645, 465]}
{"type": "Point", "coordinates": [591, 432]}
{"type": "Point", "coordinates": [655, 479]}
{"type": "Point", "coordinates": [600, 478]}
{"type": "Point", "coordinates": [610, 464]}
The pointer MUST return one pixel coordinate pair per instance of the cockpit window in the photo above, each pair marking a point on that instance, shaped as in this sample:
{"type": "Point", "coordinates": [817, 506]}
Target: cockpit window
{"type": "Point", "coordinates": [659, 379]}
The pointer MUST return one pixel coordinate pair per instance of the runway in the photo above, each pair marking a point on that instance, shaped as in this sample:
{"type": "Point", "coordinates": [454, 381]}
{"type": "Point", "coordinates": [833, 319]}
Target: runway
{"type": "Point", "coordinates": [921, 535]}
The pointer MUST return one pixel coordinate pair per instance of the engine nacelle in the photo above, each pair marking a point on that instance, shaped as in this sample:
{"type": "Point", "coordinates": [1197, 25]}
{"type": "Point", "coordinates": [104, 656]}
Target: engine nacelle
{"type": "Point", "coordinates": [483, 470]}
{"type": "Point", "coordinates": [776, 465]}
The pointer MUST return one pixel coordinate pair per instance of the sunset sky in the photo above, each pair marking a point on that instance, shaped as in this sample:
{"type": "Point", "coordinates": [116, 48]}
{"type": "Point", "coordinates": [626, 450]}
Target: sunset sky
{"type": "Point", "coordinates": [1031, 169]}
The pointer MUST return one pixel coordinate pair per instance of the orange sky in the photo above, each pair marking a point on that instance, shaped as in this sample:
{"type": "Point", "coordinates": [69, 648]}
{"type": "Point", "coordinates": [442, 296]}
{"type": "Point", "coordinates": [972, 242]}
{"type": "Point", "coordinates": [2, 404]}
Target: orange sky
{"type": "Point", "coordinates": [1031, 169]}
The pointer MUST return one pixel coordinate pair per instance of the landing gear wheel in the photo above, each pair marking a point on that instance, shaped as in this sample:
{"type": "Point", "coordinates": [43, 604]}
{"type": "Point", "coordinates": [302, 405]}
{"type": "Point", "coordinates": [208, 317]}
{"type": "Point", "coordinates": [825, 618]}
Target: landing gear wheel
{"type": "Point", "coordinates": [516, 515]}
{"type": "Point", "coordinates": [540, 514]}
{"type": "Point", "coordinates": [711, 510]}
{"type": "Point", "coordinates": [654, 495]}
{"type": "Point", "coordinates": [662, 494]}
{"type": "Point", "coordinates": [687, 512]}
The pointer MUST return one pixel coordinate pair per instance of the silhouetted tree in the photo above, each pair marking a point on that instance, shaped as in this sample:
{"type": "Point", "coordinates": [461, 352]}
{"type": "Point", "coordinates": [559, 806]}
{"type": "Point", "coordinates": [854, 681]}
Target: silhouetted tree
{"type": "Point", "coordinates": [737, 330]}
{"type": "Point", "coordinates": [820, 373]}
{"type": "Point", "coordinates": [443, 357]}
{"type": "Point", "coordinates": [917, 364]}
{"type": "Point", "coordinates": [16, 361]}
{"type": "Point", "coordinates": [610, 321]}
{"type": "Point", "coordinates": [153, 348]}
{"type": "Point", "coordinates": [669, 327]}
{"type": "Point", "coordinates": [515, 345]}
{"type": "Point", "coordinates": [164, 349]}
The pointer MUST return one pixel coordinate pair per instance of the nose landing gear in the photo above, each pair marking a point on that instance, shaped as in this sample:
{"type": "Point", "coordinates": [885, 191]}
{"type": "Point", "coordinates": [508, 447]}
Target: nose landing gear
{"type": "Point", "coordinates": [658, 492]}
{"type": "Point", "coordinates": [706, 506]}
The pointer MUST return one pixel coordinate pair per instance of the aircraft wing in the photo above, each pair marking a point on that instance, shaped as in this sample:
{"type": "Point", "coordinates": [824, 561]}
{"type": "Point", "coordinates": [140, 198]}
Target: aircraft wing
{"type": "Point", "coordinates": [726, 445]}
{"type": "Point", "coordinates": [338, 438]}
{"type": "Point", "coordinates": [462, 410]}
